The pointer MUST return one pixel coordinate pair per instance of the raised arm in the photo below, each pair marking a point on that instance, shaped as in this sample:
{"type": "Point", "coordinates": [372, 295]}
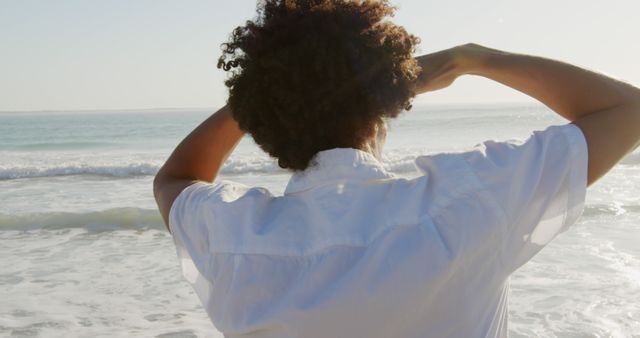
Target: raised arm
{"type": "Point", "coordinates": [606, 110]}
{"type": "Point", "coordinates": [198, 157]}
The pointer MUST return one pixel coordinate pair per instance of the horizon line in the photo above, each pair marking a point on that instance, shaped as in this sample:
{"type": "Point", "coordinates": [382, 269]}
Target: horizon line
{"type": "Point", "coordinates": [167, 109]}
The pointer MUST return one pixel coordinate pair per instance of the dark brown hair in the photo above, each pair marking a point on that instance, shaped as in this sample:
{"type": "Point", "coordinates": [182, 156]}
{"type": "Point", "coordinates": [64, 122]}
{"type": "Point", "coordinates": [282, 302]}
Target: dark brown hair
{"type": "Point", "coordinates": [311, 75]}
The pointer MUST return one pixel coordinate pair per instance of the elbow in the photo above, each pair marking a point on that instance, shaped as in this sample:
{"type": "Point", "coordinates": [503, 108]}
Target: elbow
{"type": "Point", "coordinates": [636, 110]}
{"type": "Point", "coordinates": [158, 181]}
{"type": "Point", "coordinates": [631, 95]}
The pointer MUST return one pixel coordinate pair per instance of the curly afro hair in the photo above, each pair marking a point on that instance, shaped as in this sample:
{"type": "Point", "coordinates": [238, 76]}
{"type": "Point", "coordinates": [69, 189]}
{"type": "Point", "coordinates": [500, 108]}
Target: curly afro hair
{"type": "Point", "coordinates": [312, 75]}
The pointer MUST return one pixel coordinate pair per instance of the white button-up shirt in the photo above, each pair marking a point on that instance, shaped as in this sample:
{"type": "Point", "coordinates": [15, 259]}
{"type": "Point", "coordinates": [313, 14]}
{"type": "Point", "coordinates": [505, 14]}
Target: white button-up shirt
{"type": "Point", "coordinates": [351, 250]}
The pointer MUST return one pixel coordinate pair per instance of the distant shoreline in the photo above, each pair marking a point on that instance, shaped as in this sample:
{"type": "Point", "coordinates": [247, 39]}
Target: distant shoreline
{"type": "Point", "coordinates": [133, 110]}
{"type": "Point", "coordinates": [210, 109]}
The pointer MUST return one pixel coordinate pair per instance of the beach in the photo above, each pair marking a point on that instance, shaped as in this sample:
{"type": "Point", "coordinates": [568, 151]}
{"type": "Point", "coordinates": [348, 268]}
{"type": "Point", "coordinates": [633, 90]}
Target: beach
{"type": "Point", "coordinates": [85, 253]}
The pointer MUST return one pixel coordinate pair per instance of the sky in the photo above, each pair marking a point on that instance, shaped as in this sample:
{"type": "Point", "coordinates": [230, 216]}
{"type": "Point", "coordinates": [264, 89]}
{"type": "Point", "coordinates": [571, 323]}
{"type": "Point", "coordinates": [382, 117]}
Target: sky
{"type": "Point", "coordinates": [145, 54]}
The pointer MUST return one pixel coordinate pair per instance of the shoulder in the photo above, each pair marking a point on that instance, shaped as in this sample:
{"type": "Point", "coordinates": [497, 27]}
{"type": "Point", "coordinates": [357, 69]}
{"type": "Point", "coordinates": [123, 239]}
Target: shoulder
{"type": "Point", "coordinates": [490, 156]}
{"type": "Point", "coordinates": [504, 172]}
{"type": "Point", "coordinates": [222, 191]}
{"type": "Point", "coordinates": [202, 198]}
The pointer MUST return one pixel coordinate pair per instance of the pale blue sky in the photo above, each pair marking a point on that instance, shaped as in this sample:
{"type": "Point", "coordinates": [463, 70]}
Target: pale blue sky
{"type": "Point", "coordinates": [90, 54]}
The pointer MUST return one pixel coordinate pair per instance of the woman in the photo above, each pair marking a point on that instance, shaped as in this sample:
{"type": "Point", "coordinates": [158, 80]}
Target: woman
{"type": "Point", "coordinates": [350, 250]}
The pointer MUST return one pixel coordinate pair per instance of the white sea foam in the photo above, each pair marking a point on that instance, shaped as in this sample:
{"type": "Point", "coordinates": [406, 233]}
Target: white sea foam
{"type": "Point", "coordinates": [82, 169]}
{"type": "Point", "coordinates": [78, 283]}
{"type": "Point", "coordinates": [120, 166]}
{"type": "Point", "coordinates": [395, 162]}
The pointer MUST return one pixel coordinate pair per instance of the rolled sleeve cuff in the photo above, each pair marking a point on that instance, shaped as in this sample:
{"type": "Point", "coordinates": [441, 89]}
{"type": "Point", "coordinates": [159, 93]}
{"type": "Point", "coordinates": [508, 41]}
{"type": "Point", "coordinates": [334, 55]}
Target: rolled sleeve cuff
{"type": "Point", "coordinates": [578, 177]}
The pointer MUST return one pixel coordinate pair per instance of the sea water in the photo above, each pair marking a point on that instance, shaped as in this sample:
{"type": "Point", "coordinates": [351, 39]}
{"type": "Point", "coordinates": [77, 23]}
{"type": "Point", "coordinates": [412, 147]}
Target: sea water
{"type": "Point", "coordinates": [83, 251]}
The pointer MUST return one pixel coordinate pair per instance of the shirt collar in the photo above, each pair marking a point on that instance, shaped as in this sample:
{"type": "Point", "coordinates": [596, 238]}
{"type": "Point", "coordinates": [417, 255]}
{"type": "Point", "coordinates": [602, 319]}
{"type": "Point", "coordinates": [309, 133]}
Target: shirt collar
{"type": "Point", "coordinates": [335, 165]}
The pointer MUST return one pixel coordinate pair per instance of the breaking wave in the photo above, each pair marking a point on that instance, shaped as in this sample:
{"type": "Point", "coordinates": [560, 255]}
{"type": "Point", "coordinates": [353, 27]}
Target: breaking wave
{"type": "Point", "coordinates": [131, 218]}
{"type": "Point", "coordinates": [107, 220]}
{"type": "Point", "coordinates": [397, 163]}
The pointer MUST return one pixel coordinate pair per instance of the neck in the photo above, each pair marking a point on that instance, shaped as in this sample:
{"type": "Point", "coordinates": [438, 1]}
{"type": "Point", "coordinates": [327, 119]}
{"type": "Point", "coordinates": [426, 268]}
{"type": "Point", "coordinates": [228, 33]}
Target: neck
{"type": "Point", "coordinates": [374, 149]}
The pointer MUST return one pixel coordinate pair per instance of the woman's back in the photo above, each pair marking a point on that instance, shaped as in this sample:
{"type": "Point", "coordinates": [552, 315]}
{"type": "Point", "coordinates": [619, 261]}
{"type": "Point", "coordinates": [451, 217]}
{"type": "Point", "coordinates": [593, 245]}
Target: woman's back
{"type": "Point", "coordinates": [352, 251]}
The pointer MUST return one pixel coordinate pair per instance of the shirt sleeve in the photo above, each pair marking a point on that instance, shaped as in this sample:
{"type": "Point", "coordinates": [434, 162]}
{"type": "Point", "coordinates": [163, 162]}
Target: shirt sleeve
{"type": "Point", "coordinates": [539, 185]}
{"type": "Point", "coordinates": [190, 219]}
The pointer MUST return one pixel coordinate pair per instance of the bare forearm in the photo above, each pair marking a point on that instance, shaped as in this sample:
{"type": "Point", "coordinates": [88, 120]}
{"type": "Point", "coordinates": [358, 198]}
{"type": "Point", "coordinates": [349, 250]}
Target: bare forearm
{"type": "Point", "coordinates": [605, 109]}
{"type": "Point", "coordinates": [201, 154]}
{"type": "Point", "coordinates": [571, 91]}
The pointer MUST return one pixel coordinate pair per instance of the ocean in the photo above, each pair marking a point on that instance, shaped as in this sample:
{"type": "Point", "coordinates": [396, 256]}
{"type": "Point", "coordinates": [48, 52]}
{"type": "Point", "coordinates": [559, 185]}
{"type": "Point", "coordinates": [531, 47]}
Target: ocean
{"type": "Point", "coordinates": [84, 251]}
